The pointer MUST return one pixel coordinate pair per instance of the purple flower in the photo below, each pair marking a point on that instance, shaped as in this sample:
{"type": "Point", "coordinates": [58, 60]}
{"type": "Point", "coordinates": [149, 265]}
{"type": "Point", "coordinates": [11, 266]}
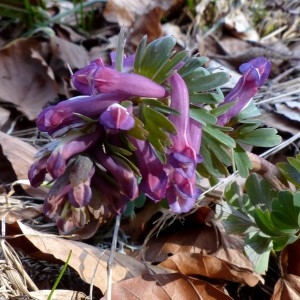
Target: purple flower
{"type": "Point", "coordinates": [255, 73]}
{"type": "Point", "coordinates": [117, 117]}
{"type": "Point", "coordinates": [69, 146]}
{"type": "Point", "coordinates": [179, 201]}
{"type": "Point", "coordinates": [37, 171]}
{"type": "Point", "coordinates": [109, 192]}
{"type": "Point", "coordinates": [154, 177]}
{"type": "Point", "coordinates": [183, 156]}
{"type": "Point", "coordinates": [120, 171]}
{"type": "Point", "coordinates": [55, 117]}
{"type": "Point", "coordinates": [73, 186]}
{"type": "Point", "coordinates": [96, 78]}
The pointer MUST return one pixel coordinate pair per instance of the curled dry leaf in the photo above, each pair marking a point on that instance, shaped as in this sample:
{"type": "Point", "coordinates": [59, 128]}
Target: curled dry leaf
{"type": "Point", "coordinates": [27, 81]}
{"type": "Point", "coordinates": [197, 250]}
{"type": "Point", "coordinates": [90, 262]}
{"type": "Point", "coordinates": [209, 266]}
{"type": "Point", "coordinates": [166, 286]}
{"type": "Point", "coordinates": [287, 287]}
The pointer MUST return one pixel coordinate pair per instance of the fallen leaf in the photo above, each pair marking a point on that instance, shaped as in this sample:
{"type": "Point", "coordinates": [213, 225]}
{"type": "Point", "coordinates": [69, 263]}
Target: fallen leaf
{"type": "Point", "coordinates": [90, 262]}
{"type": "Point", "coordinates": [4, 117]}
{"type": "Point", "coordinates": [287, 287]}
{"type": "Point", "coordinates": [195, 264]}
{"type": "Point", "coordinates": [188, 246]}
{"type": "Point", "coordinates": [290, 109]}
{"type": "Point", "coordinates": [166, 286]}
{"type": "Point", "coordinates": [25, 77]}
{"type": "Point", "coordinates": [68, 53]}
{"type": "Point", "coordinates": [125, 12]}
{"type": "Point", "coordinates": [17, 154]}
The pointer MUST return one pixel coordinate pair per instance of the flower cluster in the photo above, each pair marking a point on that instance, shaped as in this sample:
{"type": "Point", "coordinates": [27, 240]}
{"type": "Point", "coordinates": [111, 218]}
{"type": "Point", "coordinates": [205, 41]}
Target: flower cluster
{"type": "Point", "coordinates": [126, 135]}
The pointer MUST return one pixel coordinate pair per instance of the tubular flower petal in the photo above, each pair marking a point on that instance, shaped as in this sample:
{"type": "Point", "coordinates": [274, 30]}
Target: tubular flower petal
{"type": "Point", "coordinates": [255, 74]}
{"type": "Point", "coordinates": [96, 78]}
{"type": "Point", "coordinates": [55, 117]}
{"type": "Point", "coordinates": [121, 172]}
{"type": "Point", "coordinates": [69, 146]}
{"type": "Point", "coordinates": [183, 156]}
{"type": "Point", "coordinates": [110, 193]}
{"type": "Point", "coordinates": [117, 117]}
{"type": "Point", "coordinates": [37, 171]}
{"type": "Point", "coordinates": [178, 201]}
{"type": "Point", "coordinates": [81, 173]}
{"type": "Point", "coordinates": [154, 177]}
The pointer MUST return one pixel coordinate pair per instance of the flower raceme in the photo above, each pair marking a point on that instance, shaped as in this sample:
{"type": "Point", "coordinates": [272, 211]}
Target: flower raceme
{"type": "Point", "coordinates": [101, 150]}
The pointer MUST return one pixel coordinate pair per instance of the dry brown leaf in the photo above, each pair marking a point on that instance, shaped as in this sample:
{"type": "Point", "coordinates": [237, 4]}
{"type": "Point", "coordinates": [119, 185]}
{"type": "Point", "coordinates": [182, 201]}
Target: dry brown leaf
{"type": "Point", "coordinates": [287, 288]}
{"type": "Point", "coordinates": [290, 109]}
{"type": "Point", "coordinates": [69, 53]}
{"type": "Point", "coordinates": [125, 12]}
{"type": "Point", "coordinates": [165, 287]}
{"type": "Point", "coordinates": [90, 262]}
{"type": "Point", "coordinates": [4, 116]}
{"type": "Point", "coordinates": [278, 122]}
{"type": "Point", "coordinates": [209, 266]}
{"type": "Point", "coordinates": [18, 154]}
{"type": "Point", "coordinates": [16, 157]}
{"type": "Point", "coordinates": [25, 77]}
{"type": "Point", "coordinates": [200, 241]}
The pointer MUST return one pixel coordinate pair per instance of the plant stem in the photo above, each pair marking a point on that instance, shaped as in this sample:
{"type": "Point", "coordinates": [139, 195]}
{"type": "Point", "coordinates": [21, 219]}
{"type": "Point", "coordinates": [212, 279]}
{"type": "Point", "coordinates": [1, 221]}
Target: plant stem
{"type": "Point", "coordinates": [111, 257]}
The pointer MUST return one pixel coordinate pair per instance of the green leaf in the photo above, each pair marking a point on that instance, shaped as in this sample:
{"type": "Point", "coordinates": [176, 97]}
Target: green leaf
{"type": "Point", "coordinates": [250, 111]}
{"type": "Point", "coordinates": [234, 221]}
{"type": "Point", "coordinates": [279, 243]}
{"type": "Point", "coordinates": [262, 137]}
{"type": "Point", "coordinates": [221, 109]}
{"type": "Point", "coordinates": [295, 162]}
{"type": "Point", "coordinates": [139, 54]}
{"type": "Point", "coordinates": [290, 173]}
{"type": "Point", "coordinates": [217, 134]}
{"type": "Point", "coordinates": [157, 124]}
{"type": "Point", "coordinates": [242, 161]}
{"type": "Point", "coordinates": [219, 150]}
{"type": "Point", "coordinates": [191, 64]}
{"type": "Point", "coordinates": [198, 82]}
{"type": "Point", "coordinates": [211, 164]}
{"type": "Point", "coordinates": [244, 129]}
{"type": "Point", "coordinates": [154, 56]}
{"type": "Point", "coordinates": [260, 192]}
{"type": "Point", "coordinates": [165, 70]}
{"type": "Point", "coordinates": [138, 131]}
{"type": "Point", "coordinates": [160, 106]}
{"type": "Point", "coordinates": [202, 116]}
{"type": "Point", "coordinates": [258, 250]}
{"type": "Point", "coordinates": [205, 98]}
{"type": "Point", "coordinates": [265, 224]}
{"type": "Point", "coordinates": [286, 211]}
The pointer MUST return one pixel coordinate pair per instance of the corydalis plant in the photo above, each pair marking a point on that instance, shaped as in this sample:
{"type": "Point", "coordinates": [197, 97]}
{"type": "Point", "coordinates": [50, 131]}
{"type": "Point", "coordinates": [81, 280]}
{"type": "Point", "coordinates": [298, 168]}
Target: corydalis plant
{"type": "Point", "coordinates": [135, 130]}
